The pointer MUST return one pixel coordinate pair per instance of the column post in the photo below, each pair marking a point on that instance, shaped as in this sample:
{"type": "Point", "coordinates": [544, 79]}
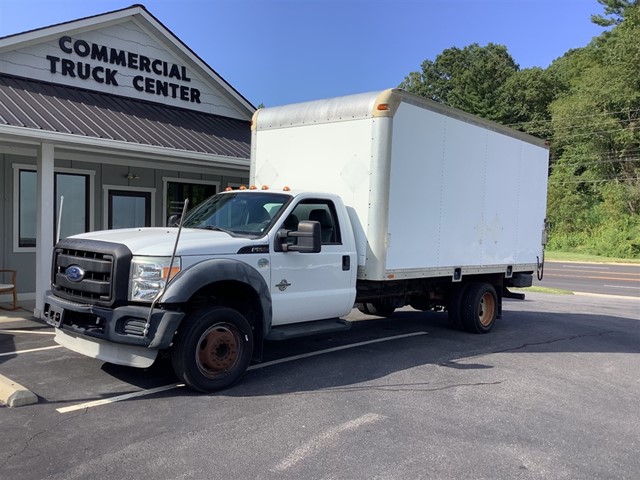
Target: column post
{"type": "Point", "coordinates": [45, 223]}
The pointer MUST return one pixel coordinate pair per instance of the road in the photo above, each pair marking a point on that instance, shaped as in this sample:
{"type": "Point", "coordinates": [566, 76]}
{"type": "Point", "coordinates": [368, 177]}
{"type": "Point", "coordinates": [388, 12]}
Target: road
{"type": "Point", "coordinates": [551, 392]}
{"type": "Point", "coordinates": [609, 279]}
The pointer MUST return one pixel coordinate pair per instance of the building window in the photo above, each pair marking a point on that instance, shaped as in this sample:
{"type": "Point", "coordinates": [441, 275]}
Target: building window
{"type": "Point", "coordinates": [75, 208]}
{"type": "Point", "coordinates": [75, 216]}
{"type": "Point", "coordinates": [177, 191]}
{"type": "Point", "coordinates": [129, 209]}
{"type": "Point", "coordinates": [27, 209]}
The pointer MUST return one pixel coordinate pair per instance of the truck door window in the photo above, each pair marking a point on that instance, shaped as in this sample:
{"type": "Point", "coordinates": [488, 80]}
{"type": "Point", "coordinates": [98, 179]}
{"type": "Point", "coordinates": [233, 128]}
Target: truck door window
{"type": "Point", "coordinates": [321, 211]}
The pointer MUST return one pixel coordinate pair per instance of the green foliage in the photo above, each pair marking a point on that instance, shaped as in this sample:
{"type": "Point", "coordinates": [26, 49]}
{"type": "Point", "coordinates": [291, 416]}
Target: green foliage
{"type": "Point", "coordinates": [614, 11]}
{"type": "Point", "coordinates": [525, 98]}
{"type": "Point", "coordinates": [587, 103]}
{"type": "Point", "coordinates": [469, 79]}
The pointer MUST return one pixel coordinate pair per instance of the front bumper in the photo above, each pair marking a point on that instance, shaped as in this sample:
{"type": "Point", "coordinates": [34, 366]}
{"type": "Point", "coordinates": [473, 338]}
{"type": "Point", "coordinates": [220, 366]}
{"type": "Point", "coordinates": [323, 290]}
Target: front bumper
{"type": "Point", "coordinates": [122, 325]}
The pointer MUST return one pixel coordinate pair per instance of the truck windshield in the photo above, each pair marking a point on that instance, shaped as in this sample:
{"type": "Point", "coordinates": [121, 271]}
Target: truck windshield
{"type": "Point", "coordinates": [242, 213]}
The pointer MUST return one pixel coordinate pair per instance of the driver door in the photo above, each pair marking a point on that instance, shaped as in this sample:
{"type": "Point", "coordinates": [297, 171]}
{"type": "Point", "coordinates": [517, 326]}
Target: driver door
{"type": "Point", "coordinates": [313, 286]}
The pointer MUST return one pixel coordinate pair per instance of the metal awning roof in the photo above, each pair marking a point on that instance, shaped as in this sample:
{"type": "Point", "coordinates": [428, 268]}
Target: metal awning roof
{"type": "Point", "coordinates": [54, 108]}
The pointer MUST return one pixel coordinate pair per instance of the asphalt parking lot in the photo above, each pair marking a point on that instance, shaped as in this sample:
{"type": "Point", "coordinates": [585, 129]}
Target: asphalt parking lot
{"type": "Point", "coordinates": [550, 393]}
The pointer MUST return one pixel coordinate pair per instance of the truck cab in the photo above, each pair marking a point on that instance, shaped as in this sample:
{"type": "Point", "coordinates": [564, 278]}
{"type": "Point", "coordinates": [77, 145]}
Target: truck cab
{"type": "Point", "coordinates": [247, 264]}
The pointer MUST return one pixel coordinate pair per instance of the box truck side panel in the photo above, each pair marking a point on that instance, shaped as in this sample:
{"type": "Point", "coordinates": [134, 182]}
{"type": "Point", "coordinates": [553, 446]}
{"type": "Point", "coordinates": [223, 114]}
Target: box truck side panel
{"type": "Point", "coordinates": [532, 203]}
{"type": "Point", "coordinates": [460, 194]}
{"type": "Point", "coordinates": [502, 200]}
{"type": "Point", "coordinates": [436, 190]}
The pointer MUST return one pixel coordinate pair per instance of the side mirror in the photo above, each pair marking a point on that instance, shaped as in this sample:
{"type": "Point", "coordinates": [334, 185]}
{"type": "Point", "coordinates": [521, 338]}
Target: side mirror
{"type": "Point", "coordinates": [308, 235]}
{"type": "Point", "coordinates": [173, 221]}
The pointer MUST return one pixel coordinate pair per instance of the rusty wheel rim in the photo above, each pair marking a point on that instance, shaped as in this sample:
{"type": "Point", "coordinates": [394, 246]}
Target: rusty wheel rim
{"type": "Point", "coordinates": [219, 349]}
{"type": "Point", "coordinates": [487, 309]}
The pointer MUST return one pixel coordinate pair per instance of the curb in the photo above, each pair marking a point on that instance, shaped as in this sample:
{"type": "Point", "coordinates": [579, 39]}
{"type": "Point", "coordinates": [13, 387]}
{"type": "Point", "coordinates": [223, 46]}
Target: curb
{"type": "Point", "coordinates": [605, 295]}
{"type": "Point", "coordinates": [13, 394]}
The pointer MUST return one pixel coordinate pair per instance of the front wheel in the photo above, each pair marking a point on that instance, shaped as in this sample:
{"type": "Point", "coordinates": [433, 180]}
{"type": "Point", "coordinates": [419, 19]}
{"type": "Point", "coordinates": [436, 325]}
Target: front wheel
{"type": "Point", "coordinates": [479, 308]}
{"type": "Point", "coordinates": [213, 349]}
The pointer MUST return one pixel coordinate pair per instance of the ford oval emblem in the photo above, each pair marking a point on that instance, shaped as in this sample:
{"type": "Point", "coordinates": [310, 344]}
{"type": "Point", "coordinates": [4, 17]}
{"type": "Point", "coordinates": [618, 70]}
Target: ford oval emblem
{"type": "Point", "coordinates": [74, 273]}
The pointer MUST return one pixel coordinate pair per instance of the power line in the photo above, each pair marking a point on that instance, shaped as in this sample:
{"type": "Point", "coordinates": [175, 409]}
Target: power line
{"type": "Point", "coordinates": [602, 180]}
{"type": "Point", "coordinates": [570, 117]}
{"type": "Point", "coordinates": [595, 162]}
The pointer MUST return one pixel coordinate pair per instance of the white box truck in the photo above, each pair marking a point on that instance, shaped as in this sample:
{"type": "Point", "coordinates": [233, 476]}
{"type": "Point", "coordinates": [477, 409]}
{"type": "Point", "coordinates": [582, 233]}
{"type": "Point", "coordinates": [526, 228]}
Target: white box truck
{"type": "Point", "coordinates": [380, 200]}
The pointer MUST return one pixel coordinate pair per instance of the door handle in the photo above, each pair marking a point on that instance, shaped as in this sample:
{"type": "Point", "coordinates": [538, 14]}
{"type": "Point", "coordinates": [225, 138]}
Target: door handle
{"type": "Point", "coordinates": [346, 263]}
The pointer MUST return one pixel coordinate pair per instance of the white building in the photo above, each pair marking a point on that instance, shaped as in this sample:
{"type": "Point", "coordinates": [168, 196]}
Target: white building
{"type": "Point", "coordinates": [121, 119]}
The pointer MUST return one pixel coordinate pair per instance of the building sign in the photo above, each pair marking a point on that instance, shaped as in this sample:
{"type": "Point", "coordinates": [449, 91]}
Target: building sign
{"type": "Point", "coordinates": [99, 63]}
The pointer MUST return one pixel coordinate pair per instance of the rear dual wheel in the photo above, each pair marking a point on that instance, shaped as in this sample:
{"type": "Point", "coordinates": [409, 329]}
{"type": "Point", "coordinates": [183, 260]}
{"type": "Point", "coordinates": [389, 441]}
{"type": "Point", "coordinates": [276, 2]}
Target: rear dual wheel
{"type": "Point", "coordinates": [473, 307]}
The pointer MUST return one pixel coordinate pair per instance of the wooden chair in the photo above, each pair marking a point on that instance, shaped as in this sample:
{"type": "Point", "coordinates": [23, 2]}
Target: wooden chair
{"type": "Point", "coordinates": [9, 287]}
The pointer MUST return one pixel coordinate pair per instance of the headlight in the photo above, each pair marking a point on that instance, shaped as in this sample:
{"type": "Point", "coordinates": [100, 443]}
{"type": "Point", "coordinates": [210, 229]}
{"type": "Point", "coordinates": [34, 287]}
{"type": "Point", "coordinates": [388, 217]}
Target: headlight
{"type": "Point", "coordinates": [149, 275]}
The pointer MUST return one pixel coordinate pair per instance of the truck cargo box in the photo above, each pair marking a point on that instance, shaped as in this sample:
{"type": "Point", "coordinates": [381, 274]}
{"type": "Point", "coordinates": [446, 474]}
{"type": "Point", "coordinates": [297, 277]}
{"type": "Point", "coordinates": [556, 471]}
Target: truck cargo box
{"type": "Point", "coordinates": [431, 191]}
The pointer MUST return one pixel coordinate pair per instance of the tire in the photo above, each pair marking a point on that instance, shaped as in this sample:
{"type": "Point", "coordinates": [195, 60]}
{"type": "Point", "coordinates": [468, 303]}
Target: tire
{"type": "Point", "coordinates": [454, 305]}
{"type": "Point", "coordinates": [479, 308]}
{"type": "Point", "coordinates": [378, 309]}
{"type": "Point", "coordinates": [363, 308]}
{"type": "Point", "coordinates": [213, 349]}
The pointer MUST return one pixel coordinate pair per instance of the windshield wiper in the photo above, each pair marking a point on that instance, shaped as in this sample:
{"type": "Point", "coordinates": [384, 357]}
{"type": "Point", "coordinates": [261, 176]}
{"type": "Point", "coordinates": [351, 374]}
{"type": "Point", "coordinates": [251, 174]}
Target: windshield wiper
{"type": "Point", "coordinates": [217, 229]}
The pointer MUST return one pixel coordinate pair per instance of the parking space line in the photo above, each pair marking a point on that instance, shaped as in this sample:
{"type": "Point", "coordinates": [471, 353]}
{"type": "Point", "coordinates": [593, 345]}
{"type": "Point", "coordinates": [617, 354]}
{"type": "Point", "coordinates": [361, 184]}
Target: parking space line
{"type": "Point", "coordinates": [119, 398]}
{"type": "Point", "coordinates": [35, 332]}
{"type": "Point", "coordinates": [334, 349]}
{"type": "Point", "coordinates": [18, 352]}
{"type": "Point", "coordinates": [324, 440]}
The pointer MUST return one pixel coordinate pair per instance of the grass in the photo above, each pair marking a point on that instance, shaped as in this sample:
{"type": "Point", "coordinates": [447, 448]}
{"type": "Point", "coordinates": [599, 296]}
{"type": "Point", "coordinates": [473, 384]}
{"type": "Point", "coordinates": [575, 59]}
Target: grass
{"type": "Point", "coordinates": [538, 289]}
{"type": "Point", "coordinates": [584, 257]}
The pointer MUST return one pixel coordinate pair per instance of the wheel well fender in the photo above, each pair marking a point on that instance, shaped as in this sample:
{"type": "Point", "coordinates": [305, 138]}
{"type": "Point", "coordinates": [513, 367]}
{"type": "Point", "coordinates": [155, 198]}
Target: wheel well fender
{"type": "Point", "coordinates": [202, 275]}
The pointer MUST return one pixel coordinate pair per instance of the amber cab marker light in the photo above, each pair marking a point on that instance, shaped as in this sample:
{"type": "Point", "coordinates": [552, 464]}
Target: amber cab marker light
{"type": "Point", "coordinates": [253, 187]}
{"type": "Point", "coordinates": [265, 187]}
{"type": "Point", "coordinates": [286, 189]}
{"type": "Point", "coordinates": [383, 106]}
{"type": "Point", "coordinates": [228, 189]}
{"type": "Point", "coordinates": [242, 187]}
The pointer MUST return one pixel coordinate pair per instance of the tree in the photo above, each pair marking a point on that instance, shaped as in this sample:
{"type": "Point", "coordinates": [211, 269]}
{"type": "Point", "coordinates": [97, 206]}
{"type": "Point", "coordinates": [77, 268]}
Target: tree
{"type": "Point", "coordinates": [614, 12]}
{"type": "Point", "coordinates": [596, 125]}
{"type": "Point", "coordinates": [469, 79]}
{"type": "Point", "coordinates": [525, 99]}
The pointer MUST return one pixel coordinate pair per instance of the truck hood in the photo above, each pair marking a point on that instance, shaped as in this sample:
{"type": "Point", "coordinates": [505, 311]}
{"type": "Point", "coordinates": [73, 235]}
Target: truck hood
{"type": "Point", "coordinates": [160, 241]}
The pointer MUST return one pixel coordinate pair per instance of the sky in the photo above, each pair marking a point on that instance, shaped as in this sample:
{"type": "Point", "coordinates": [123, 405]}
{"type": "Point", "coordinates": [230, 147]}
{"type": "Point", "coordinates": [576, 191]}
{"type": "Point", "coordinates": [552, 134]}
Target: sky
{"type": "Point", "coordinates": [276, 52]}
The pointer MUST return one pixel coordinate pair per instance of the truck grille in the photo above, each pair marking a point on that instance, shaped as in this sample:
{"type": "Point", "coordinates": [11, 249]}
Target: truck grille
{"type": "Point", "coordinates": [91, 272]}
{"type": "Point", "coordinates": [96, 280]}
